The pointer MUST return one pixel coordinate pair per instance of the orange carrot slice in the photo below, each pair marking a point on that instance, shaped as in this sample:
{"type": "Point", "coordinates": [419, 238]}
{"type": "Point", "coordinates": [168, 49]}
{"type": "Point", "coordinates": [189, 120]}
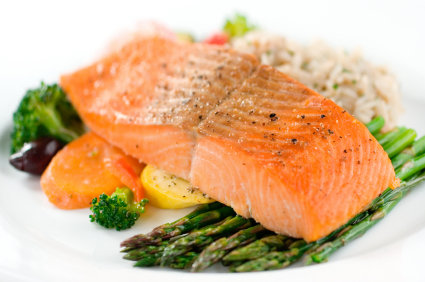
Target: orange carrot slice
{"type": "Point", "coordinates": [86, 168]}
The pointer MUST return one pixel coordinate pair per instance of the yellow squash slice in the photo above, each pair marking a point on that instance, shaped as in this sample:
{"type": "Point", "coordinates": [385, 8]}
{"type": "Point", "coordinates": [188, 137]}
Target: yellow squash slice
{"type": "Point", "coordinates": [167, 191]}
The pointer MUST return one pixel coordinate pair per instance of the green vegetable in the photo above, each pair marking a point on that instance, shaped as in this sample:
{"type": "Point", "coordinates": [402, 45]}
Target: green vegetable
{"type": "Point", "coordinates": [397, 145]}
{"type": "Point", "coordinates": [45, 111]}
{"type": "Point", "coordinates": [184, 261]}
{"type": "Point", "coordinates": [151, 260]}
{"type": "Point", "coordinates": [203, 237]}
{"type": "Point", "coordinates": [259, 248]}
{"type": "Point", "coordinates": [151, 255]}
{"type": "Point", "coordinates": [275, 260]}
{"type": "Point", "coordinates": [238, 26]}
{"type": "Point", "coordinates": [217, 250]}
{"type": "Point", "coordinates": [117, 211]}
{"type": "Point", "coordinates": [400, 160]}
{"type": "Point", "coordinates": [179, 262]}
{"type": "Point", "coordinates": [417, 148]}
{"type": "Point", "coordinates": [384, 138]}
{"type": "Point", "coordinates": [145, 251]}
{"type": "Point", "coordinates": [375, 125]}
{"type": "Point", "coordinates": [204, 215]}
{"type": "Point", "coordinates": [411, 167]}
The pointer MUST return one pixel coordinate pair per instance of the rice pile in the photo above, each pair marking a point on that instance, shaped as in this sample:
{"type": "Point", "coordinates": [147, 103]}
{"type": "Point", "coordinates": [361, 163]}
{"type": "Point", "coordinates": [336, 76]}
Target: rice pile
{"type": "Point", "coordinates": [363, 89]}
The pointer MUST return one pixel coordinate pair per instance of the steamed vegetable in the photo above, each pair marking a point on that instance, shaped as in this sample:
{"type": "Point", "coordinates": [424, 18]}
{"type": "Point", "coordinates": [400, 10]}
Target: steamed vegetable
{"type": "Point", "coordinates": [203, 237]}
{"type": "Point", "coordinates": [376, 125]}
{"type": "Point", "coordinates": [117, 211]}
{"type": "Point", "coordinates": [417, 148]}
{"type": "Point", "coordinates": [167, 191]}
{"type": "Point", "coordinates": [86, 168]}
{"type": "Point", "coordinates": [45, 111]}
{"type": "Point", "coordinates": [202, 216]}
{"type": "Point", "coordinates": [217, 250]}
{"type": "Point", "coordinates": [259, 248]}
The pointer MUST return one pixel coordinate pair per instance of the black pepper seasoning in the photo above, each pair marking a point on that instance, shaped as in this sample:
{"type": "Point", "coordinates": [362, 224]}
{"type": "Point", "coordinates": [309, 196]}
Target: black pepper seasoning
{"type": "Point", "coordinates": [273, 117]}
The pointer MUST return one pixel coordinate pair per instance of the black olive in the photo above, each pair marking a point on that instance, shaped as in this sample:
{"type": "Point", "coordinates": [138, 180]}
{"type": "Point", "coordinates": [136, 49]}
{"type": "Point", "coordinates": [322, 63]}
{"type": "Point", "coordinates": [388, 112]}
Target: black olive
{"type": "Point", "coordinates": [36, 155]}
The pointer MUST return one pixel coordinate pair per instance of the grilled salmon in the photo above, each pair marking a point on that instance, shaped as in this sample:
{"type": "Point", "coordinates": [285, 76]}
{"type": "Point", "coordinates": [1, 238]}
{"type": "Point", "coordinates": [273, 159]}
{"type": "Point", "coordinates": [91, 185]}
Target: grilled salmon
{"type": "Point", "coordinates": [244, 133]}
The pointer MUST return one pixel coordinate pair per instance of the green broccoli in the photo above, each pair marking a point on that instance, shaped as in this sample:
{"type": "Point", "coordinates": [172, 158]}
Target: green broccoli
{"type": "Point", "coordinates": [118, 210]}
{"type": "Point", "coordinates": [45, 111]}
{"type": "Point", "coordinates": [238, 26]}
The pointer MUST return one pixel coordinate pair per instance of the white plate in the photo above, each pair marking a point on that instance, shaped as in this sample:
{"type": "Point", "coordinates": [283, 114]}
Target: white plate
{"type": "Point", "coordinates": [43, 40]}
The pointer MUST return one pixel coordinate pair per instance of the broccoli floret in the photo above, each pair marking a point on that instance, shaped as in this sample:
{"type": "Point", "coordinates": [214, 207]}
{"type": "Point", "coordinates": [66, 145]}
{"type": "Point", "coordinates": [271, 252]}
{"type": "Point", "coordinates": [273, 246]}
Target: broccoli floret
{"type": "Point", "coordinates": [45, 111]}
{"type": "Point", "coordinates": [118, 210]}
{"type": "Point", "coordinates": [238, 26]}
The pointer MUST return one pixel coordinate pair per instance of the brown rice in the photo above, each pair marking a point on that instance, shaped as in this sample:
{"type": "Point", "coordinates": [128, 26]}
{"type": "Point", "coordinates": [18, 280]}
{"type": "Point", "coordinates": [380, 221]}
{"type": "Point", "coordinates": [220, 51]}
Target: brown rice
{"type": "Point", "coordinates": [363, 89]}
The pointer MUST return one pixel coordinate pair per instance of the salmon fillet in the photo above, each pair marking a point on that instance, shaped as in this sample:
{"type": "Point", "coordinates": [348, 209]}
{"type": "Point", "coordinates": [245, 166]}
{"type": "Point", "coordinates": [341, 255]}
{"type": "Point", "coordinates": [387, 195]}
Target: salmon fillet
{"type": "Point", "coordinates": [244, 133]}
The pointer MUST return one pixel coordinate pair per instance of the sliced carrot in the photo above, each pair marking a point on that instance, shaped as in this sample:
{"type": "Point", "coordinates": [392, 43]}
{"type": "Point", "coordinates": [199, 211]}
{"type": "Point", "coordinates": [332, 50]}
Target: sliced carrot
{"type": "Point", "coordinates": [86, 168]}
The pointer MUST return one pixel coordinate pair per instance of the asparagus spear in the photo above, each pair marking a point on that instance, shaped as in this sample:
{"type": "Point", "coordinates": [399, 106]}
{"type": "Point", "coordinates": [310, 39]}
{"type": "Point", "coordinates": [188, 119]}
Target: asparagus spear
{"type": "Point", "coordinates": [148, 255]}
{"type": "Point", "coordinates": [151, 260]}
{"type": "Point", "coordinates": [198, 211]}
{"type": "Point", "coordinates": [184, 261]}
{"type": "Point", "coordinates": [411, 167]}
{"type": "Point", "coordinates": [203, 237]}
{"type": "Point", "coordinates": [179, 262]}
{"type": "Point", "coordinates": [417, 148]}
{"type": "Point", "coordinates": [233, 264]}
{"type": "Point", "coordinates": [138, 254]}
{"type": "Point", "coordinates": [274, 260]}
{"type": "Point", "coordinates": [400, 160]}
{"type": "Point", "coordinates": [259, 248]}
{"type": "Point", "coordinates": [384, 138]}
{"type": "Point", "coordinates": [401, 142]}
{"type": "Point", "coordinates": [214, 252]}
{"type": "Point", "coordinates": [375, 125]}
{"type": "Point", "coordinates": [181, 226]}
{"type": "Point", "coordinates": [297, 249]}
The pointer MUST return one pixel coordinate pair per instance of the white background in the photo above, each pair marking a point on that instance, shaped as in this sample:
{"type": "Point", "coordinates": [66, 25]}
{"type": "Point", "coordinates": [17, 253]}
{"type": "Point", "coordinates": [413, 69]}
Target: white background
{"type": "Point", "coordinates": [41, 40]}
